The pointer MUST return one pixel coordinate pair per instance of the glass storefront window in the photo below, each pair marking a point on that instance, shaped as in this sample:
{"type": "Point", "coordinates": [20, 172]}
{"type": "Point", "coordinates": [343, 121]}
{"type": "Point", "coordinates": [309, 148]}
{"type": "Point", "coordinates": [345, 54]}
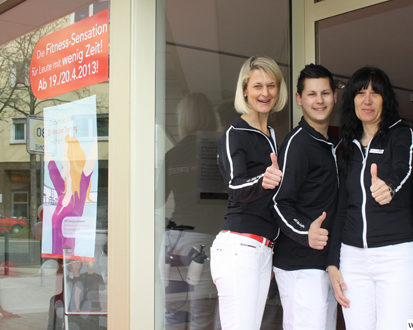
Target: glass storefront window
{"type": "Point", "coordinates": [203, 47]}
{"type": "Point", "coordinates": [338, 34]}
{"type": "Point", "coordinates": [54, 191]}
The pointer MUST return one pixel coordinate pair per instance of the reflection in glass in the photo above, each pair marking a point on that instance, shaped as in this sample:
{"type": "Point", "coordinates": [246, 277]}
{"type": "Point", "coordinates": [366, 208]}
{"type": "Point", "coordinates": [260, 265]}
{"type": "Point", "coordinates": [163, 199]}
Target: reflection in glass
{"type": "Point", "coordinates": [189, 172]}
{"type": "Point", "coordinates": [383, 21]}
{"type": "Point", "coordinates": [205, 43]}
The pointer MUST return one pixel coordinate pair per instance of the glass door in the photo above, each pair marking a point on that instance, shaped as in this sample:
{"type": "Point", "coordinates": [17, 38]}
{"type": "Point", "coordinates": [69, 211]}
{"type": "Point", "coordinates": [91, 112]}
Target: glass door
{"type": "Point", "coordinates": [309, 19]}
{"type": "Point", "coordinates": [201, 47]}
{"type": "Point", "coordinates": [346, 36]}
{"type": "Point", "coordinates": [376, 35]}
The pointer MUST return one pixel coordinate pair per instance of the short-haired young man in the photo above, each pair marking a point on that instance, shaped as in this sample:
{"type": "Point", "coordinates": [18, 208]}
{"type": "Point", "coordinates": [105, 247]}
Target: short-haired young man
{"type": "Point", "coordinates": [305, 204]}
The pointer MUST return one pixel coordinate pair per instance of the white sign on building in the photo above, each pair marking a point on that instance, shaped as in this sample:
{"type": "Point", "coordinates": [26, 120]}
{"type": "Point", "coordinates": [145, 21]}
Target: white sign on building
{"type": "Point", "coordinates": [34, 135]}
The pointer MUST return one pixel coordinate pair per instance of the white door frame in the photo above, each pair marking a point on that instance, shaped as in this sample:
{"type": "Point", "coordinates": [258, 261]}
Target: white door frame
{"type": "Point", "coordinates": [305, 14]}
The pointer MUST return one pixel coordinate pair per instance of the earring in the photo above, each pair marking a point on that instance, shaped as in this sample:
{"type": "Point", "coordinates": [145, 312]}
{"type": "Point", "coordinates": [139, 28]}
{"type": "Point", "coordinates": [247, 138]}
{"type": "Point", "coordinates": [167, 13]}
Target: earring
{"type": "Point", "coordinates": [245, 95]}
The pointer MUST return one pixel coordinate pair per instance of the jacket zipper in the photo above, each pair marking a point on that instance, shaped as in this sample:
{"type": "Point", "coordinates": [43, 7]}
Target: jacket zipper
{"type": "Point", "coordinates": [363, 191]}
{"type": "Point", "coordinates": [333, 151]}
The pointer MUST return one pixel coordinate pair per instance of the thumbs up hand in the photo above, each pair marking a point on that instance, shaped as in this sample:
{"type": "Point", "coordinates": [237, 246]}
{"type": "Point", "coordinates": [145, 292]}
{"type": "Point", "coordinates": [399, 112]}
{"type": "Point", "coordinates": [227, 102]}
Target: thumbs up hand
{"type": "Point", "coordinates": [317, 236]}
{"type": "Point", "coordinates": [272, 176]}
{"type": "Point", "coordinates": [379, 189]}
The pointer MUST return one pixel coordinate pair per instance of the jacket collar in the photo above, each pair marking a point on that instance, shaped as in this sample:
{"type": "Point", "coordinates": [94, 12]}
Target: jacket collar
{"type": "Point", "coordinates": [317, 135]}
{"type": "Point", "coordinates": [242, 124]}
{"type": "Point", "coordinates": [397, 123]}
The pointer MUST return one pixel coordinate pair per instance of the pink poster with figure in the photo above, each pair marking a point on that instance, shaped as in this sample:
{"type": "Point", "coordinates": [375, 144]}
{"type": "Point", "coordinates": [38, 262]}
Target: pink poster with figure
{"type": "Point", "coordinates": [70, 180]}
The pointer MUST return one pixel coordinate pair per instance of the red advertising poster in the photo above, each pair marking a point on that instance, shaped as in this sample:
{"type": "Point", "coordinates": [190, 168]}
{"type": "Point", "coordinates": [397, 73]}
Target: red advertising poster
{"type": "Point", "coordinates": [71, 58]}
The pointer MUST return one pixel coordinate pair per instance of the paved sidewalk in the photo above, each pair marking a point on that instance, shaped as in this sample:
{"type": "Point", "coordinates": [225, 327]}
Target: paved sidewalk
{"type": "Point", "coordinates": [36, 321]}
{"type": "Point", "coordinates": [27, 292]}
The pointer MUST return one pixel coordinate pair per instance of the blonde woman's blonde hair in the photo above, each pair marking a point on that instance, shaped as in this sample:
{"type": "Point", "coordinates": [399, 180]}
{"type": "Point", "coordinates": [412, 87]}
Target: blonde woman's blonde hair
{"type": "Point", "coordinates": [270, 67]}
{"type": "Point", "coordinates": [77, 160]}
{"type": "Point", "coordinates": [195, 113]}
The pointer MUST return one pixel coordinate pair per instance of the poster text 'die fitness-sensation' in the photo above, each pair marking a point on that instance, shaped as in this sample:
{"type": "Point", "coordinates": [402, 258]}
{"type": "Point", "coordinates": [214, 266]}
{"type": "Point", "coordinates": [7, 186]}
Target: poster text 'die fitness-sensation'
{"type": "Point", "coordinates": [71, 58]}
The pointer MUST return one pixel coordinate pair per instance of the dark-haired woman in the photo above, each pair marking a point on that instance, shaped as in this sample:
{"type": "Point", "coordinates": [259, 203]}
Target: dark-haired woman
{"type": "Point", "coordinates": [372, 242]}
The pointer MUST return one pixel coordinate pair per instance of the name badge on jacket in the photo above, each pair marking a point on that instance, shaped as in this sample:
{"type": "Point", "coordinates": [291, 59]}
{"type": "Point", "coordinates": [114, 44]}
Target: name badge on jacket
{"type": "Point", "coordinates": [376, 151]}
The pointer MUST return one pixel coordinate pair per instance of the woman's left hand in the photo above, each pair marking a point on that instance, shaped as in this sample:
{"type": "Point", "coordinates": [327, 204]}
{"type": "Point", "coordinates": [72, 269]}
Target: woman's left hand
{"type": "Point", "coordinates": [339, 286]}
{"type": "Point", "coordinates": [379, 189]}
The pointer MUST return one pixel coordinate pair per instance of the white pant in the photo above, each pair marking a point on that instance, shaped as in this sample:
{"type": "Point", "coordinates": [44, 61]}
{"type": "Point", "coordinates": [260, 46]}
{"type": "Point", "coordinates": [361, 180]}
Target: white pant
{"type": "Point", "coordinates": [241, 271]}
{"type": "Point", "coordinates": [379, 286]}
{"type": "Point", "coordinates": [307, 299]}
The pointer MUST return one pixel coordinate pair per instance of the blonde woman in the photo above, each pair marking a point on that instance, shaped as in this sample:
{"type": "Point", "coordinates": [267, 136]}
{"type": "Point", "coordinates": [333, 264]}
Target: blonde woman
{"type": "Point", "coordinates": [241, 255]}
{"type": "Point", "coordinates": [72, 184]}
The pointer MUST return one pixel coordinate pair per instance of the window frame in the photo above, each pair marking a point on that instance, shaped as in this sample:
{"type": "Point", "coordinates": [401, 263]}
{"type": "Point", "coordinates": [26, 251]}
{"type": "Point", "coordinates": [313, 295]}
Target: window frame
{"type": "Point", "coordinates": [102, 116]}
{"type": "Point", "coordinates": [13, 202]}
{"type": "Point", "coordinates": [14, 121]}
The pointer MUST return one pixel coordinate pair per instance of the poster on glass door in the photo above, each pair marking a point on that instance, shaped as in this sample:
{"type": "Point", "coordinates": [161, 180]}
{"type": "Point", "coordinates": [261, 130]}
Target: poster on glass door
{"type": "Point", "coordinates": [70, 180]}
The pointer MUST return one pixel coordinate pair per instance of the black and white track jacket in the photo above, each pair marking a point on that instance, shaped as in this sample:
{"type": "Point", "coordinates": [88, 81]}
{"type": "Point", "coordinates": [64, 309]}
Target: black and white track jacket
{"type": "Point", "coordinates": [361, 221]}
{"type": "Point", "coordinates": [309, 186]}
{"type": "Point", "coordinates": [243, 156]}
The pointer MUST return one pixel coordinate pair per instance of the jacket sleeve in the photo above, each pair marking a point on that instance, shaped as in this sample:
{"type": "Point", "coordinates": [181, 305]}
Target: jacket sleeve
{"type": "Point", "coordinates": [295, 165]}
{"type": "Point", "coordinates": [334, 245]}
{"type": "Point", "coordinates": [232, 160]}
{"type": "Point", "coordinates": [401, 152]}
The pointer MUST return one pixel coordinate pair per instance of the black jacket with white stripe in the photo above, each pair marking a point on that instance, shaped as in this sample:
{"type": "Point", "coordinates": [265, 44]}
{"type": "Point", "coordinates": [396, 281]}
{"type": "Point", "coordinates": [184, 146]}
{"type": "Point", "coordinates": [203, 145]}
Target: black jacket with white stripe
{"type": "Point", "coordinates": [361, 221]}
{"type": "Point", "coordinates": [243, 156]}
{"type": "Point", "coordinates": [309, 186]}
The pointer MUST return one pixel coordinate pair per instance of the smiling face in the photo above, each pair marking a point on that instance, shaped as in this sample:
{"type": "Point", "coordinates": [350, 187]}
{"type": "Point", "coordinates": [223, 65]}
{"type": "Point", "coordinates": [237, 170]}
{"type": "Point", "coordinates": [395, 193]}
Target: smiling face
{"type": "Point", "coordinates": [369, 106]}
{"type": "Point", "coordinates": [261, 92]}
{"type": "Point", "coordinates": [317, 101]}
